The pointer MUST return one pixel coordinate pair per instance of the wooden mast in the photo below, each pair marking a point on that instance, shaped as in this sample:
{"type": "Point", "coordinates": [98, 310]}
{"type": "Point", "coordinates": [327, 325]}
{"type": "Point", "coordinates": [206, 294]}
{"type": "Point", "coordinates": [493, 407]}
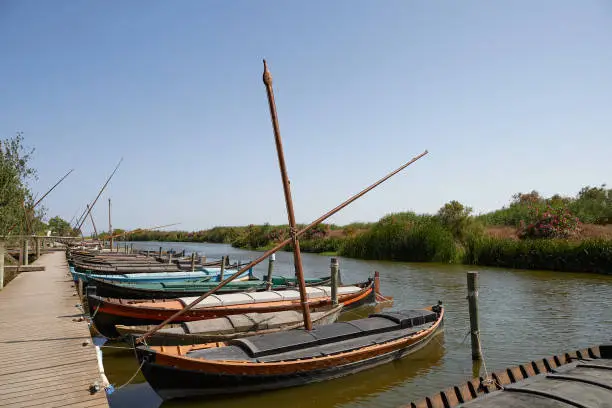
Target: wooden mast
{"type": "Point", "coordinates": [38, 201]}
{"type": "Point", "coordinates": [278, 246]}
{"type": "Point", "coordinates": [93, 223]}
{"type": "Point", "coordinates": [91, 206]}
{"type": "Point", "coordinates": [110, 225]}
{"type": "Point", "coordinates": [297, 256]}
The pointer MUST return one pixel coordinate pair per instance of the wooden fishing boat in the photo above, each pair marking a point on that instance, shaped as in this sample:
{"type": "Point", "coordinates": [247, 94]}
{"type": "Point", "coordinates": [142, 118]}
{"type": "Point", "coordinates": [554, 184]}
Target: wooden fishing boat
{"type": "Point", "coordinates": [287, 358]}
{"type": "Point", "coordinates": [203, 275]}
{"type": "Point", "coordinates": [95, 262]}
{"type": "Point", "coordinates": [108, 312]}
{"type": "Point", "coordinates": [117, 268]}
{"type": "Point", "coordinates": [228, 327]}
{"type": "Point", "coordinates": [179, 288]}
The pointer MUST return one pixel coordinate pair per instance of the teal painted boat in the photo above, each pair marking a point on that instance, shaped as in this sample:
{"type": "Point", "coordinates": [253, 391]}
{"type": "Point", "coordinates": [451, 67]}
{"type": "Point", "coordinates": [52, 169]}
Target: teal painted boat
{"type": "Point", "coordinates": [204, 275]}
{"type": "Point", "coordinates": [170, 290]}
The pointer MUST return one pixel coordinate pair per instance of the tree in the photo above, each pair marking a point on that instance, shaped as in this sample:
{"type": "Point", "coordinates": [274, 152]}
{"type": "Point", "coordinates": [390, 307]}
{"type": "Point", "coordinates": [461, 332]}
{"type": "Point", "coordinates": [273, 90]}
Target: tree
{"type": "Point", "coordinates": [60, 227]}
{"type": "Point", "coordinates": [594, 205]}
{"type": "Point", "coordinates": [526, 198]}
{"type": "Point", "coordinates": [15, 195]}
{"type": "Point", "coordinates": [456, 217]}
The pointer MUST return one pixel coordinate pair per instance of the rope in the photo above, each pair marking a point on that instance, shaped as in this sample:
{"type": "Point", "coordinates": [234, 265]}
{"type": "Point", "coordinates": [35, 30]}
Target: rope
{"type": "Point", "coordinates": [134, 376]}
{"type": "Point", "coordinates": [95, 312]}
{"type": "Point", "coordinates": [117, 347]}
{"type": "Point", "coordinates": [465, 337]}
{"type": "Point", "coordinates": [488, 380]}
{"type": "Point", "coordinates": [384, 298]}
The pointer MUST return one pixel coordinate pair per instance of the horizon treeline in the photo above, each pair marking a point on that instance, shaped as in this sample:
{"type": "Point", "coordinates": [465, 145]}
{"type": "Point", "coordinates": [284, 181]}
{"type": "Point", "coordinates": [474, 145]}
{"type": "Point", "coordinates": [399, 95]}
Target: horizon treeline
{"type": "Point", "coordinates": [592, 205]}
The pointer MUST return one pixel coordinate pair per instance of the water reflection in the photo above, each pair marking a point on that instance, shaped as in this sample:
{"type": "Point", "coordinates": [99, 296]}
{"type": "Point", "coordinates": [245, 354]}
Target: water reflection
{"type": "Point", "coordinates": [357, 388]}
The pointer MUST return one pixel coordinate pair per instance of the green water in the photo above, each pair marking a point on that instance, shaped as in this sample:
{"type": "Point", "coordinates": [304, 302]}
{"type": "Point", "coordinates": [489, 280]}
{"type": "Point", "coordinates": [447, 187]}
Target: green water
{"type": "Point", "coordinates": [524, 315]}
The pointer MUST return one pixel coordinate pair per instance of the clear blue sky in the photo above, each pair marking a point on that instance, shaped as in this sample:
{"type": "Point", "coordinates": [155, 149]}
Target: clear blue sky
{"type": "Point", "coordinates": [507, 96]}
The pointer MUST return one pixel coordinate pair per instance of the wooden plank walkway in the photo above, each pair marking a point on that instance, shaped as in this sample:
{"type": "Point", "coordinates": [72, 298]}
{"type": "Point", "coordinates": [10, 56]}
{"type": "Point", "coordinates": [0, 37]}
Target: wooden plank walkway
{"type": "Point", "coordinates": [47, 359]}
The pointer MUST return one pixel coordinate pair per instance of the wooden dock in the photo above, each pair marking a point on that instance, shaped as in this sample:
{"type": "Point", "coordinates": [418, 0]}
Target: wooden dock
{"type": "Point", "coordinates": [47, 358]}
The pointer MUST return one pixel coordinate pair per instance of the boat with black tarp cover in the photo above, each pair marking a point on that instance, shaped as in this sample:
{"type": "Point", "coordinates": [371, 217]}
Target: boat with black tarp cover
{"type": "Point", "coordinates": [108, 312]}
{"type": "Point", "coordinates": [288, 358]}
{"type": "Point", "coordinates": [227, 327]}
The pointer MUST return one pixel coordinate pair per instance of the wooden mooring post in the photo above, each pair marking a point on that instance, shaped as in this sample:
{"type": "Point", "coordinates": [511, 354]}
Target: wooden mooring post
{"type": "Point", "coordinates": [37, 243]}
{"type": "Point", "coordinates": [160, 252]}
{"type": "Point", "coordinates": [271, 260]}
{"type": "Point", "coordinates": [472, 284]}
{"type": "Point", "coordinates": [2, 250]}
{"type": "Point", "coordinates": [26, 249]}
{"type": "Point", "coordinates": [193, 259]}
{"type": "Point", "coordinates": [335, 267]}
{"type": "Point", "coordinates": [222, 268]}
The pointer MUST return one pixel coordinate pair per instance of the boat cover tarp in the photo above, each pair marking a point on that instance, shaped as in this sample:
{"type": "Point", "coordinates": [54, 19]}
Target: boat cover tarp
{"type": "Point", "coordinates": [312, 292]}
{"type": "Point", "coordinates": [322, 340]}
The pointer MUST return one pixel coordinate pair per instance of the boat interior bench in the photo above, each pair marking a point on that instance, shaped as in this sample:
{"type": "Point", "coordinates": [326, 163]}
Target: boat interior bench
{"type": "Point", "coordinates": [322, 340]}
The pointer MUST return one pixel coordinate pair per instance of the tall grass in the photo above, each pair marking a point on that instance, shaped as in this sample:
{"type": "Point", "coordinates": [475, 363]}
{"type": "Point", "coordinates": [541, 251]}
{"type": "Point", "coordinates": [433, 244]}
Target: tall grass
{"type": "Point", "coordinates": [404, 237]}
{"type": "Point", "coordinates": [318, 245]}
{"type": "Point", "coordinates": [591, 255]}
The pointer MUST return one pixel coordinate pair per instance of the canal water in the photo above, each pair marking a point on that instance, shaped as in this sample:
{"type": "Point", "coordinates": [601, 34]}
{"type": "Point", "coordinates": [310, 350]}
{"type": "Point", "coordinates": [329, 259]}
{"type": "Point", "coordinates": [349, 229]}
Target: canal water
{"type": "Point", "coordinates": [524, 315]}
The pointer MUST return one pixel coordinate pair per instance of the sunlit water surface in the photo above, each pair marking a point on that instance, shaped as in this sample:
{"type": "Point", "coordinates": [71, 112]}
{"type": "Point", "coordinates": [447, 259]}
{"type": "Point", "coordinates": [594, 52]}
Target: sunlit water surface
{"type": "Point", "coordinates": [524, 315]}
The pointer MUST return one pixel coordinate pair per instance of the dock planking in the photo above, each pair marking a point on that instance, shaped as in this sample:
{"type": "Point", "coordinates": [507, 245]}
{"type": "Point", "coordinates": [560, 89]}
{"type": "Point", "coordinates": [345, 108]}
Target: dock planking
{"type": "Point", "coordinates": [47, 358]}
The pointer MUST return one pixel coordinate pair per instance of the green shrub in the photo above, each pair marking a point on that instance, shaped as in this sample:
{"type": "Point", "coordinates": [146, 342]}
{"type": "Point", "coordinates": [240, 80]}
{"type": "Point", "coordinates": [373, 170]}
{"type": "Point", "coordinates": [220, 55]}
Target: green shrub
{"type": "Point", "coordinates": [592, 205]}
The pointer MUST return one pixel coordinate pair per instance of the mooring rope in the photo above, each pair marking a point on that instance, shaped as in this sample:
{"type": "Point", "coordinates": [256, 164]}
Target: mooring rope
{"type": "Point", "coordinates": [95, 312]}
{"type": "Point", "coordinates": [134, 376]}
{"type": "Point", "coordinates": [466, 336]}
{"type": "Point", "coordinates": [117, 347]}
{"type": "Point", "coordinates": [487, 379]}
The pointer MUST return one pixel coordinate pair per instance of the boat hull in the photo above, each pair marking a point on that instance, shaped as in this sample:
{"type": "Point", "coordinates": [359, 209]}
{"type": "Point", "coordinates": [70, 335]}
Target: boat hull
{"type": "Point", "coordinates": [171, 382]}
{"type": "Point", "coordinates": [111, 290]}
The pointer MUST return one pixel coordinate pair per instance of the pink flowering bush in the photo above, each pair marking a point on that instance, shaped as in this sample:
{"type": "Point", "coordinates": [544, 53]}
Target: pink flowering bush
{"type": "Point", "coordinates": [551, 222]}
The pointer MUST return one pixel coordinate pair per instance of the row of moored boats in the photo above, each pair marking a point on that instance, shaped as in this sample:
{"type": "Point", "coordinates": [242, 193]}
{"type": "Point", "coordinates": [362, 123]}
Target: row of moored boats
{"type": "Point", "coordinates": [247, 336]}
